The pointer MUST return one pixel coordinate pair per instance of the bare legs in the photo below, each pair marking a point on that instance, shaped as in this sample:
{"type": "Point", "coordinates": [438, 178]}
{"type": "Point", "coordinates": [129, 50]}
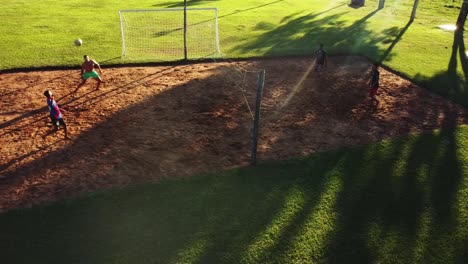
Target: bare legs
{"type": "Point", "coordinates": [99, 81]}
{"type": "Point", "coordinates": [83, 81]}
{"type": "Point", "coordinates": [56, 128]}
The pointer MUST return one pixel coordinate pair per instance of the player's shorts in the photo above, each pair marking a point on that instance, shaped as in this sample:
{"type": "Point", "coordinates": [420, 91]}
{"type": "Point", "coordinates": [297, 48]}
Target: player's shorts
{"type": "Point", "coordinates": [57, 122]}
{"type": "Point", "coordinates": [92, 74]}
{"type": "Point", "coordinates": [373, 91]}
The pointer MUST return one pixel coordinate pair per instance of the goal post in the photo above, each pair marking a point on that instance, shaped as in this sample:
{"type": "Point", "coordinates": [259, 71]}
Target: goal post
{"type": "Point", "coordinates": [165, 35]}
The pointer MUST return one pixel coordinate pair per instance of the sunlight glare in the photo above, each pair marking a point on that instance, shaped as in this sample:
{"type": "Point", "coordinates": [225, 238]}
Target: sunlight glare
{"type": "Point", "coordinates": [448, 27]}
{"type": "Point", "coordinates": [298, 86]}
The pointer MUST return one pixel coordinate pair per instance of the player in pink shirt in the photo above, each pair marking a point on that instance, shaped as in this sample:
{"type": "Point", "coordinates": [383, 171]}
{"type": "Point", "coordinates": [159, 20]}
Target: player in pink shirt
{"type": "Point", "coordinates": [55, 113]}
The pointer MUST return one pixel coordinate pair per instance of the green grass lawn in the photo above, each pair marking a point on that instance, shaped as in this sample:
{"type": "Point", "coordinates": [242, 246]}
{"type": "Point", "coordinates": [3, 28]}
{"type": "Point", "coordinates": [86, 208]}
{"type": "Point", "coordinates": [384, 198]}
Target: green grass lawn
{"type": "Point", "coordinates": [398, 201]}
{"type": "Point", "coordinates": [38, 33]}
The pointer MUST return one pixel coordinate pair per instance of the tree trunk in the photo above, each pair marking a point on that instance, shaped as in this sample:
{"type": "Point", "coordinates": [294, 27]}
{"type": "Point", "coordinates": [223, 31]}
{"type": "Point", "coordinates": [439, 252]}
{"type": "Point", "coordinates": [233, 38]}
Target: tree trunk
{"type": "Point", "coordinates": [462, 16]}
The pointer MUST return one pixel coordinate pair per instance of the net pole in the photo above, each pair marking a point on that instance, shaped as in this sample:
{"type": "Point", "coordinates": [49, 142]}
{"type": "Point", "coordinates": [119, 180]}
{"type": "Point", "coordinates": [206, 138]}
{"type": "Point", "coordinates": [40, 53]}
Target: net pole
{"type": "Point", "coordinates": [122, 34]}
{"type": "Point", "coordinates": [218, 51]}
{"type": "Point", "coordinates": [185, 30]}
{"type": "Point", "coordinates": [258, 101]}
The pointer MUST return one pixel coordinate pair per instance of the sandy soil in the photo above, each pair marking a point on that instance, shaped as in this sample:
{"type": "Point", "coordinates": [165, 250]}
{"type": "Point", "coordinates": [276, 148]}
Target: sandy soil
{"type": "Point", "coordinates": [148, 123]}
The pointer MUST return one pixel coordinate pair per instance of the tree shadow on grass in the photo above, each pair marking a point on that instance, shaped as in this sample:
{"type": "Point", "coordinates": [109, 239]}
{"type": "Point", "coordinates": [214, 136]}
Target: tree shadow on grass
{"type": "Point", "coordinates": [190, 3]}
{"type": "Point", "coordinates": [365, 204]}
{"type": "Point", "coordinates": [395, 41]}
{"type": "Point", "coordinates": [451, 83]}
{"type": "Point", "coordinates": [208, 219]}
{"type": "Point", "coordinates": [334, 32]}
{"type": "Point", "coordinates": [369, 204]}
{"type": "Point", "coordinates": [408, 208]}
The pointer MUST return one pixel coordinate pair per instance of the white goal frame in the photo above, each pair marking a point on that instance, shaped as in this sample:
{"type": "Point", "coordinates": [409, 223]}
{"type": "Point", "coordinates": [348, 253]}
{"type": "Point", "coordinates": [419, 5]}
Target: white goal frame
{"type": "Point", "coordinates": [188, 9]}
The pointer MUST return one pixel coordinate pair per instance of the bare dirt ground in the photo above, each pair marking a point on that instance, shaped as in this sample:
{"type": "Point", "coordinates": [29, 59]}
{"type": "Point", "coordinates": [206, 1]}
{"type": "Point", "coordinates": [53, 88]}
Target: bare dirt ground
{"type": "Point", "coordinates": [148, 123]}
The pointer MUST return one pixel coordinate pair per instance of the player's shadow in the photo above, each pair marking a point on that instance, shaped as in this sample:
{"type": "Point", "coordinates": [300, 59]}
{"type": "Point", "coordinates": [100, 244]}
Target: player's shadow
{"type": "Point", "coordinates": [5, 166]}
{"type": "Point", "coordinates": [22, 117]}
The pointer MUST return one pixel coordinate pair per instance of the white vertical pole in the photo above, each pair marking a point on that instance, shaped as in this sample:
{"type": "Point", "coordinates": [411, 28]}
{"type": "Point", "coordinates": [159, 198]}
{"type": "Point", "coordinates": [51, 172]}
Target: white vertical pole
{"type": "Point", "coordinates": [216, 32]}
{"type": "Point", "coordinates": [185, 30]}
{"type": "Point", "coordinates": [123, 34]}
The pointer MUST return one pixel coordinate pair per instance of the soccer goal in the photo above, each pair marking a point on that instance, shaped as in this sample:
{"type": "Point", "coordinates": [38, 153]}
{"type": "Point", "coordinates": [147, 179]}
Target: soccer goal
{"type": "Point", "coordinates": [169, 34]}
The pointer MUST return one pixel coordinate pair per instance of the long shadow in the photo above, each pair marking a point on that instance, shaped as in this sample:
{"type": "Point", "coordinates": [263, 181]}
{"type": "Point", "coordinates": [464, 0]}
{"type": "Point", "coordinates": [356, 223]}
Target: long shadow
{"type": "Point", "coordinates": [21, 117]}
{"type": "Point", "coordinates": [450, 83]}
{"type": "Point", "coordinates": [395, 41]}
{"type": "Point", "coordinates": [355, 38]}
{"type": "Point", "coordinates": [181, 3]}
{"type": "Point", "coordinates": [215, 207]}
{"type": "Point", "coordinates": [376, 197]}
{"type": "Point", "coordinates": [79, 99]}
{"type": "Point", "coordinates": [304, 225]}
{"type": "Point", "coordinates": [5, 166]}
{"type": "Point", "coordinates": [371, 197]}
{"type": "Point", "coordinates": [31, 112]}
{"type": "Point", "coordinates": [167, 32]}
{"type": "Point", "coordinates": [459, 44]}
{"type": "Point", "coordinates": [359, 24]}
{"type": "Point", "coordinates": [379, 213]}
{"type": "Point", "coordinates": [360, 202]}
{"type": "Point", "coordinates": [196, 104]}
{"type": "Point", "coordinates": [115, 91]}
{"type": "Point", "coordinates": [309, 184]}
{"type": "Point", "coordinates": [408, 206]}
{"type": "Point", "coordinates": [198, 2]}
{"type": "Point", "coordinates": [210, 220]}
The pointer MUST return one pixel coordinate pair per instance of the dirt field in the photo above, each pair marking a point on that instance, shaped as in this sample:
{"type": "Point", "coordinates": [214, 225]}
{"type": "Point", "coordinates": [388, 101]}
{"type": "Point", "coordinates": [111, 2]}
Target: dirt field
{"type": "Point", "coordinates": [146, 123]}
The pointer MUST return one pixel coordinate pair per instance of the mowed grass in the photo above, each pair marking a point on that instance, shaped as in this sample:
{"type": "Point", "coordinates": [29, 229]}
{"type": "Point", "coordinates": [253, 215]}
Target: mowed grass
{"type": "Point", "coordinates": [398, 201]}
{"type": "Point", "coordinates": [40, 33]}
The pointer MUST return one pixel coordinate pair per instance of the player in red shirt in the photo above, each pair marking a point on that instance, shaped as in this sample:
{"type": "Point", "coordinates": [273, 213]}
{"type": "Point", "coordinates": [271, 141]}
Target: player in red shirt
{"type": "Point", "coordinates": [55, 113]}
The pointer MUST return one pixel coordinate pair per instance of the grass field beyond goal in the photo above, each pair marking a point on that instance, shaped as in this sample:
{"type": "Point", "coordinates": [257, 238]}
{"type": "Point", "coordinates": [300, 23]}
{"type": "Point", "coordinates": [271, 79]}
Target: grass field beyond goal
{"type": "Point", "coordinates": [36, 35]}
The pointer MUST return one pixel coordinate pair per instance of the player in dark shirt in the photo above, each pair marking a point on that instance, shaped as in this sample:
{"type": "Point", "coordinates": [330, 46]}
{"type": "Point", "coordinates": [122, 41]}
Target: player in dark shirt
{"type": "Point", "coordinates": [320, 56]}
{"type": "Point", "coordinates": [374, 82]}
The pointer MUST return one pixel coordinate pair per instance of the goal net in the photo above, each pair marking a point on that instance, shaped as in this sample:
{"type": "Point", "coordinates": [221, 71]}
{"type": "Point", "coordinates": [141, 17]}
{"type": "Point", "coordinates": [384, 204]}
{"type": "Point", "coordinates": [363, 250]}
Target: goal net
{"type": "Point", "coordinates": [160, 35]}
